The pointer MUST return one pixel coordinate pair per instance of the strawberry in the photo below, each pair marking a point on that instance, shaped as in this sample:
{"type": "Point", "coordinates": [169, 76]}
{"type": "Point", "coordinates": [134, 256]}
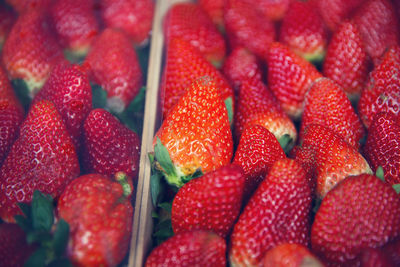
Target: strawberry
{"type": "Point", "coordinates": [305, 156]}
{"type": "Point", "coordinates": [327, 104]}
{"type": "Point", "coordinates": [379, 27]}
{"type": "Point", "coordinates": [99, 213]}
{"type": "Point", "coordinates": [75, 23]}
{"type": "Point", "coordinates": [43, 157]}
{"type": "Point", "coordinates": [288, 254]}
{"type": "Point", "coordinates": [246, 26]}
{"type": "Point", "coordinates": [346, 60]}
{"type": "Point", "coordinates": [31, 50]}
{"type": "Point", "coordinates": [214, 9]}
{"type": "Point", "coordinates": [278, 212]}
{"type": "Point", "coordinates": [373, 257]}
{"type": "Point", "coordinates": [185, 64]}
{"type": "Point", "coordinates": [109, 146]}
{"type": "Point", "coordinates": [303, 31]}
{"type": "Point", "coordinates": [210, 202]}
{"type": "Point", "coordinates": [342, 225]}
{"type": "Point", "coordinates": [381, 93]}
{"type": "Point", "coordinates": [69, 89]}
{"type": "Point", "coordinates": [289, 77]}
{"type": "Point", "coordinates": [135, 17]}
{"type": "Point", "coordinates": [192, 248]}
{"type": "Point", "coordinates": [195, 135]}
{"type": "Point", "coordinates": [7, 20]}
{"type": "Point", "coordinates": [115, 67]}
{"type": "Point", "coordinates": [383, 146]}
{"type": "Point", "coordinates": [256, 105]}
{"type": "Point", "coordinates": [191, 23]}
{"type": "Point", "coordinates": [257, 151]}
{"type": "Point", "coordinates": [273, 9]}
{"type": "Point", "coordinates": [22, 5]}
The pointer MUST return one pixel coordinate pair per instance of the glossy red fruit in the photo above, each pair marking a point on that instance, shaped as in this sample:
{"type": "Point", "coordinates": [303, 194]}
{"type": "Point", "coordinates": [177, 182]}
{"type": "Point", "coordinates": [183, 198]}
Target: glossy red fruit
{"type": "Point", "coordinates": [342, 225]}
{"type": "Point", "coordinates": [42, 158]}
{"type": "Point", "coordinates": [99, 214]}
{"type": "Point", "coordinates": [115, 67]}
{"type": "Point", "coordinates": [278, 212]}
{"type": "Point", "coordinates": [192, 248]}
{"type": "Point", "coordinates": [375, 257]}
{"type": "Point", "coordinates": [22, 5]}
{"type": "Point", "coordinates": [273, 9]}
{"type": "Point", "coordinates": [109, 146]}
{"type": "Point", "coordinates": [214, 9]}
{"type": "Point", "coordinates": [7, 20]}
{"type": "Point", "coordinates": [135, 17]}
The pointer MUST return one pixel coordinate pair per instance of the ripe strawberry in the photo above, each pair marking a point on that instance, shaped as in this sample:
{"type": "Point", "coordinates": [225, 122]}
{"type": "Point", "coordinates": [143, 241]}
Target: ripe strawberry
{"type": "Point", "coordinates": [184, 65]}
{"type": "Point", "coordinates": [373, 257]}
{"type": "Point", "coordinates": [379, 27]}
{"type": "Point", "coordinates": [382, 92]}
{"type": "Point", "coordinates": [303, 31]}
{"type": "Point", "coordinates": [115, 67]}
{"type": "Point", "coordinates": [192, 248]}
{"type": "Point", "coordinates": [346, 60]}
{"type": "Point", "coordinates": [191, 23]}
{"type": "Point", "coordinates": [246, 26]}
{"type": "Point", "coordinates": [383, 146]}
{"type": "Point", "coordinates": [289, 77]}
{"type": "Point", "coordinates": [109, 146]}
{"type": "Point", "coordinates": [22, 5]}
{"type": "Point", "coordinates": [257, 151]}
{"type": "Point", "coordinates": [273, 9]}
{"type": "Point", "coordinates": [135, 17]}
{"type": "Point", "coordinates": [278, 212]}
{"type": "Point", "coordinates": [43, 158]}
{"type": "Point", "coordinates": [31, 50]}
{"type": "Point", "coordinates": [75, 23]}
{"type": "Point", "coordinates": [69, 89]}
{"type": "Point", "coordinates": [342, 225]}
{"type": "Point", "coordinates": [196, 134]}
{"type": "Point", "coordinates": [99, 213]}
{"type": "Point", "coordinates": [214, 9]}
{"type": "Point", "coordinates": [210, 202]}
{"type": "Point", "coordinates": [256, 105]}
{"type": "Point", "coordinates": [327, 104]}
{"type": "Point", "coordinates": [305, 156]}
{"type": "Point", "coordinates": [293, 255]}
{"type": "Point", "coordinates": [7, 20]}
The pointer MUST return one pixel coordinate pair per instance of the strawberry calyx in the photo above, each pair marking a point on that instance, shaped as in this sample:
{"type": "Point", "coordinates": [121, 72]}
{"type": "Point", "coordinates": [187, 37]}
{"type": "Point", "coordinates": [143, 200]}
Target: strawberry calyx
{"type": "Point", "coordinates": [381, 175]}
{"type": "Point", "coordinates": [122, 179]}
{"type": "Point", "coordinates": [286, 142]}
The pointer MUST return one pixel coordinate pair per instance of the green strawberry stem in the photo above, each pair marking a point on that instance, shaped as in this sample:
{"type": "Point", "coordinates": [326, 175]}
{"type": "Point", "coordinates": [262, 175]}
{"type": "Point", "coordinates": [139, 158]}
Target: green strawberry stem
{"type": "Point", "coordinates": [380, 173]}
{"type": "Point", "coordinates": [286, 142]}
{"type": "Point", "coordinates": [122, 179]}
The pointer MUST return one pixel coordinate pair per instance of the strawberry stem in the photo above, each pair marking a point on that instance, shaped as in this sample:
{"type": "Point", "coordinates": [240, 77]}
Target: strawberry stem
{"type": "Point", "coordinates": [380, 173]}
{"type": "Point", "coordinates": [122, 179]}
{"type": "Point", "coordinates": [286, 142]}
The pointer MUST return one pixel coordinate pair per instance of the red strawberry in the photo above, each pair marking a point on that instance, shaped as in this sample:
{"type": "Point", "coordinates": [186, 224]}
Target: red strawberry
{"type": "Point", "coordinates": [7, 19]}
{"type": "Point", "coordinates": [109, 146]}
{"type": "Point", "coordinates": [135, 17]}
{"type": "Point", "coordinates": [214, 9]}
{"type": "Point", "coordinates": [278, 212]}
{"type": "Point", "coordinates": [256, 105]}
{"type": "Point", "coordinates": [75, 23]}
{"type": "Point", "coordinates": [210, 202]}
{"type": "Point", "coordinates": [293, 255]}
{"type": "Point", "coordinates": [196, 133]}
{"type": "Point", "coordinates": [99, 213]}
{"type": "Point", "coordinates": [191, 23]}
{"type": "Point", "coordinates": [289, 77]}
{"type": "Point", "coordinates": [375, 257]}
{"type": "Point", "coordinates": [248, 27]}
{"type": "Point", "coordinates": [346, 60]}
{"type": "Point", "coordinates": [31, 50]}
{"type": "Point", "coordinates": [379, 27]}
{"type": "Point", "coordinates": [193, 248]}
{"type": "Point", "coordinates": [360, 212]}
{"type": "Point", "coordinates": [42, 158]}
{"type": "Point", "coordinates": [382, 92]}
{"type": "Point", "coordinates": [273, 9]}
{"type": "Point", "coordinates": [22, 5]}
{"type": "Point", "coordinates": [257, 151]}
{"type": "Point", "coordinates": [305, 156]}
{"type": "Point", "coordinates": [303, 31]}
{"type": "Point", "coordinates": [184, 65]}
{"type": "Point", "coordinates": [383, 146]}
{"type": "Point", "coordinates": [115, 67]}
{"type": "Point", "coordinates": [69, 89]}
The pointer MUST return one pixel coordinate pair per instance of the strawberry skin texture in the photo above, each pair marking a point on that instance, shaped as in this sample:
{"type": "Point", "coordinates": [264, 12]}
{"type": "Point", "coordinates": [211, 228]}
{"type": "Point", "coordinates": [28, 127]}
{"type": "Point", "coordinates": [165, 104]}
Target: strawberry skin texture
{"type": "Point", "coordinates": [278, 212]}
{"type": "Point", "coordinates": [382, 92]}
{"type": "Point", "coordinates": [109, 146]}
{"type": "Point", "coordinates": [214, 9]}
{"type": "Point", "coordinates": [8, 18]}
{"type": "Point", "coordinates": [191, 248]}
{"type": "Point", "coordinates": [289, 77]}
{"type": "Point", "coordinates": [273, 9]}
{"type": "Point", "coordinates": [210, 202]}
{"type": "Point", "coordinates": [100, 220]}
{"type": "Point", "coordinates": [184, 65]}
{"type": "Point", "coordinates": [383, 146]}
{"type": "Point", "coordinates": [346, 60]}
{"type": "Point", "coordinates": [22, 5]}
{"type": "Point", "coordinates": [360, 212]}
{"type": "Point", "coordinates": [135, 17]}
{"type": "Point", "coordinates": [191, 23]}
{"type": "Point", "coordinates": [290, 255]}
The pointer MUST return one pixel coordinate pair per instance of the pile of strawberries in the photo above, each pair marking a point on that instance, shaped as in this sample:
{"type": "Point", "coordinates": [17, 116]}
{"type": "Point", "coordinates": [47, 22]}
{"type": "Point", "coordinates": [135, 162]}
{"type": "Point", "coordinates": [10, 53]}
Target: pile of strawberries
{"type": "Point", "coordinates": [280, 138]}
{"type": "Point", "coordinates": [70, 95]}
